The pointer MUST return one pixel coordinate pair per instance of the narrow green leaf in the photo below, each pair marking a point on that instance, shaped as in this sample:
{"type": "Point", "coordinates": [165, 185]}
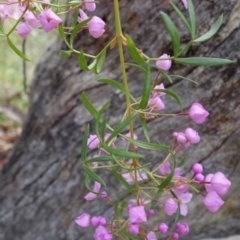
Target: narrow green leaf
{"type": "Point", "coordinates": [172, 94]}
{"type": "Point", "coordinates": [82, 61]}
{"type": "Point", "coordinates": [114, 84]}
{"type": "Point", "coordinates": [61, 31]}
{"type": "Point", "coordinates": [215, 27]}
{"type": "Point", "coordinates": [172, 31]}
{"type": "Point", "coordinates": [169, 78]}
{"type": "Point", "coordinates": [146, 88]}
{"type": "Point", "coordinates": [16, 50]}
{"type": "Point", "coordinates": [178, 76]}
{"type": "Point", "coordinates": [132, 237]}
{"type": "Point", "coordinates": [101, 61]}
{"type": "Point", "coordinates": [103, 128]}
{"type": "Point", "coordinates": [100, 159]}
{"type": "Point", "coordinates": [145, 128]}
{"type": "Point", "coordinates": [78, 28]}
{"type": "Point", "coordinates": [157, 196]}
{"type": "Point", "coordinates": [122, 153]}
{"type": "Point", "coordinates": [182, 163]}
{"type": "Point", "coordinates": [203, 61]}
{"type": "Point", "coordinates": [182, 17]}
{"type": "Point", "coordinates": [134, 51]}
{"type": "Point", "coordinates": [145, 145]}
{"type": "Point", "coordinates": [167, 180]}
{"type": "Point", "coordinates": [65, 54]}
{"type": "Point", "coordinates": [75, 17]}
{"type": "Point", "coordinates": [88, 105]}
{"type": "Point", "coordinates": [92, 65]}
{"type": "Point", "coordinates": [93, 175]}
{"type": "Point", "coordinates": [122, 180]}
{"type": "Point", "coordinates": [86, 182]}
{"type": "Point", "coordinates": [120, 127]}
{"type": "Point", "coordinates": [84, 144]}
{"type": "Point", "coordinates": [136, 66]}
{"type": "Point", "coordinates": [192, 17]}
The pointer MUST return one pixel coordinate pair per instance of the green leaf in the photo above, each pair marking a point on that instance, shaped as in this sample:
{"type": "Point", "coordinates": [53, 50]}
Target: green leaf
{"type": "Point", "coordinates": [101, 61]}
{"type": "Point", "coordinates": [77, 28]}
{"type": "Point", "coordinates": [100, 159]}
{"type": "Point", "coordinates": [215, 27]}
{"type": "Point", "coordinates": [61, 31]}
{"type": "Point", "coordinates": [146, 88]}
{"type": "Point", "coordinates": [178, 76]}
{"type": "Point", "coordinates": [145, 145]}
{"type": "Point", "coordinates": [203, 61]}
{"type": "Point", "coordinates": [172, 31]}
{"type": "Point", "coordinates": [16, 50]}
{"type": "Point", "coordinates": [120, 127]}
{"type": "Point", "coordinates": [82, 61]}
{"type": "Point", "coordinates": [86, 182]}
{"type": "Point", "coordinates": [84, 144]}
{"type": "Point", "coordinates": [145, 128]}
{"type": "Point", "coordinates": [182, 163]}
{"type": "Point", "coordinates": [114, 84]}
{"type": "Point", "coordinates": [92, 65]}
{"type": "Point", "coordinates": [75, 17]}
{"type": "Point", "coordinates": [65, 54]}
{"type": "Point", "coordinates": [121, 180]}
{"type": "Point", "coordinates": [103, 128]}
{"type": "Point", "coordinates": [157, 196]}
{"type": "Point", "coordinates": [172, 94]}
{"type": "Point", "coordinates": [136, 66]}
{"type": "Point", "coordinates": [122, 153]}
{"type": "Point", "coordinates": [132, 237]}
{"type": "Point", "coordinates": [93, 175]}
{"type": "Point", "coordinates": [134, 51]}
{"type": "Point", "coordinates": [192, 17]}
{"type": "Point", "coordinates": [182, 17]}
{"type": "Point", "coordinates": [88, 105]}
{"type": "Point", "coordinates": [169, 78]}
{"type": "Point", "coordinates": [167, 180]}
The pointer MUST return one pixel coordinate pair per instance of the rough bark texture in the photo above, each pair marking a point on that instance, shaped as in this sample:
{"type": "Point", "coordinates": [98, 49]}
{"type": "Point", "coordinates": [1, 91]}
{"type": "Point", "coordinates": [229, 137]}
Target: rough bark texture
{"type": "Point", "coordinates": [42, 185]}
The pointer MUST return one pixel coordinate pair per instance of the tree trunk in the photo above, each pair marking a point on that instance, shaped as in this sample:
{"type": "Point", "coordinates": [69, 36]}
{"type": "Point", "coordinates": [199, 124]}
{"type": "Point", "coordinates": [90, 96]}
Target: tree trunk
{"type": "Point", "coordinates": [42, 185]}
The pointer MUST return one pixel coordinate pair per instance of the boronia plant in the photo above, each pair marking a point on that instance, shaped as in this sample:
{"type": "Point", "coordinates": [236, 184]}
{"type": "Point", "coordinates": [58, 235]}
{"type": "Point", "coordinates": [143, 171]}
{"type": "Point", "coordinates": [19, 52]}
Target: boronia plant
{"type": "Point", "coordinates": [149, 188]}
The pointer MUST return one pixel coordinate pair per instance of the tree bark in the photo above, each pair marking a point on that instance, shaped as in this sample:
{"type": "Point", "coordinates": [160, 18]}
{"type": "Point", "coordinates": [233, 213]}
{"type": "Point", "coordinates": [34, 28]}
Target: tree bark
{"type": "Point", "coordinates": [42, 184]}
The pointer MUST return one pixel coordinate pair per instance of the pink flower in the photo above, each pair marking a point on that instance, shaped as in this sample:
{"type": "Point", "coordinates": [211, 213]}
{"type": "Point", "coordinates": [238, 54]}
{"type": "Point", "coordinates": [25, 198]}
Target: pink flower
{"type": "Point", "coordinates": [96, 188]}
{"type": "Point", "coordinates": [3, 16]}
{"type": "Point", "coordinates": [49, 20]}
{"type": "Point", "coordinates": [208, 186]}
{"type": "Point", "coordinates": [159, 87]}
{"type": "Point", "coordinates": [182, 228]}
{"type": "Point", "coordinates": [213, 202]}
{"type": "Point", "coordinates": [93, 141]}
{"type": "Point", "coordinates": [175, 236]}
{"type": "Point", "coordinates": [151, 236]}
{"type": "Point", "coordinates": [163, 228]}
{"type": "Point", "coordinates": [83, 16]}
{"type": "Point", "coordinates": [137, 214]}
{"type": "Point", "coordinates": [12, 10]}
{"type": "Point", "coordinates": [192, 136]}
{"type": "Point", "coordinates": [220, 184]}
{"type": "Point", "coordinates": [164, 64]}
{"type": "Point", "coordinates": [185, 198]}
{"type": "Point", "coordinates": [83, 220]}
{"type": "Point", "coordinates": [31, 19]}
{"type": "Point", "coordinates": [102, 233]}
{"type": "Point", "coordinates": [89, 5]}
{"type": "Point", "coordinates": [104, 195]}
{"type": "Point", "coordinates": [197, 113]}
{"type": "Point", "coordinates": [165, 169]}
{"type": "Point", "coordinates": [185, 3]}
{"type": "Point", "coordinates": [156, 103]}
{"type": "Point", "coordinates": [133, 228]}
{"type": "Point", "coordinates": [197, 168]}
{"type": "Point", "coordinates": [199, 177]}
{"type": "Point", "coordinates": [151, 212]}
{"type": "Point", "coordinates": [130, 177]}
{"type": "Point", "coordinates": [23, 30]}
{"type": "Point", "coordinates": [170, 207]}
{"type": "Point", "coordinates": [96, 27]}
{"type": "Point", "coordinates": [181, 138]}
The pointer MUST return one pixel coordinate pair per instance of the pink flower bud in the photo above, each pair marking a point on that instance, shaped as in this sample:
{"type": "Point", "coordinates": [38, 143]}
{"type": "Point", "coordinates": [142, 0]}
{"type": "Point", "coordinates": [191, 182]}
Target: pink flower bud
{"type": "Point", "coordinates": [156, 103]}
{"type": "Point", "coordinates": [104, 195]}
{"type": "Point", "coordinates": [151, 236]}
{"type": "Point", "coordinates": [170, 207]}
{"type": "Point", "coordinates": [151, 212]}
{"type": "Point", "coordinates": [83, 220]}
{"type": "Point", "coordinates": [197, 113]}
{"type": "Point", "coordinates": [89, 5]}
{"type": "Point", "coordinates": [185, 3]}
{"type": "Point", "coordinates": [213, 202]}
{"type": "Point", "coordinates": [96, 27]}
{"type": "Point", "coordinates": [133, 228]}
{"type": "Point", "coordinates": [199, 177]}
{"type": "Point", "coordinates": [83, 16]}
{"type": "Point", "coordinates": [163, 228]}
{"type": "Point", "coordinates": [102, 233]}
{"type": "Point", "coordinates": [192, 136]}
{"type": "Point", "coordinates": [102, 221]}
{"type": "Point", "coordinates": [197, 168]}
{"type": "Point", "coordinates": [164, 64]}
{"type": "Point", "coordinates": [23, 30]}
{"type": "Point", "coordinates": [175, 236]}
{"type": "Point", "coordinates": [208, 186]}
{"type": "Point", "coordinates": [183, 228]}
{"type": "Point", "coordinates": [220, 184]}
{"type": "Point", "coordinates": [95, 221]}
{"type": "Point", "coordinates": [137, 214]}
{"type": "Point", "coordinates": [93, 141]}
{"type": "Point", "coordinates": [159, 87]}
{"type": "Point", "coordinates": [31, 19]}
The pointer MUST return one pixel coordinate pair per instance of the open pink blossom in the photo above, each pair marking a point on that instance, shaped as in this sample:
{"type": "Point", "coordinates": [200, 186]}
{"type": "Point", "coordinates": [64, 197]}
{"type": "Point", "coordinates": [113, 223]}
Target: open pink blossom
{"type": "Point", "coordinates": [83, 16]}
{"type": "Point", "coordinates": [137, 214]}
{"type": "Point", "coordinates": [89, 5]}
{"type": "Point", "coordinates": [220, 184]}
{"type": "Point", "coordinates": [129, 177]}
{"type": "Point", "coordinates": [158, 87]}
{"type": "Point", "coordinates": [49, 20]}
{"type": "Point", "coordinates": [101, 233]}
{"type": "Point", "coordinates": [185, 3]}
{"type": "Point", "coordinates": [192, 136]}
{"type": "Point", "coordinates": [170, 207]}
{"type": "Point", "coordinates": [197, 113]}
{"type": "Point", "coordinates": [23, 30]}
{"type": "Point", "coordinates": [151, 236]}
{"type": "Point", "coordinates": [12, 10]}
{"type": "Point", "coordinates": [93, 141]}
{"type": "Point", "coordinates": [208, 184]}
{"type": "Point", "coordinates": [165, 169]}
{"type": "Point", "coordinates": [156, 103]}
{"type": "Point", "coordinates": [83, 220]}
{"type": "Point", "coordinates": [96, 188]}
{"type": "Point", "coordinates": [96, 27]}
{"type": "Point", "coordinates": [31, 19]}
{"type": "Point", "coordinates": [184, 198]}
{"type": "Point", "coordinates": [213, 202]}
{"type": "Point", "coordinates": [133, 228]}
{"type": "Point", "coordinates": [164, 64]}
